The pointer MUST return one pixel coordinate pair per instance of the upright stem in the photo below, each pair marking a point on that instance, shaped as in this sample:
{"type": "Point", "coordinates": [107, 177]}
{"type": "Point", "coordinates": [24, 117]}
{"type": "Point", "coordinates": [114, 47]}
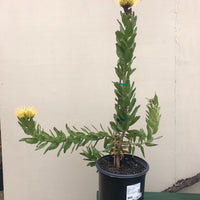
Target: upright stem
{"type": "Point", "coordinates": [123, 89]}
{"type": "Point", "coordinates": [117, 161]}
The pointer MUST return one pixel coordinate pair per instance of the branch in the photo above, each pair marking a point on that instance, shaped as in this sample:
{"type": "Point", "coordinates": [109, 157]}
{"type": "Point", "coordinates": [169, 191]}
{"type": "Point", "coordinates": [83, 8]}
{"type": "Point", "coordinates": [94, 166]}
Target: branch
{"type": "Point", "coordinates": [183, 183]}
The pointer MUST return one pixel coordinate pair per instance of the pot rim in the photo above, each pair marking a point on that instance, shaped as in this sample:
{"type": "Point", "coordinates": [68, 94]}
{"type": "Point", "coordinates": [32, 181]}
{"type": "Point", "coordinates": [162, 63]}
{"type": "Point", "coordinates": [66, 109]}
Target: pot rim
{"type": "Point", "coordinates": [113, 175]}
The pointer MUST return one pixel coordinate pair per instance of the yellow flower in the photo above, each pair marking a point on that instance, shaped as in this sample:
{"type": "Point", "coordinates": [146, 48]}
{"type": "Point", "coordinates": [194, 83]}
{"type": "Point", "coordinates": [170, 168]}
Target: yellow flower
{"type": "Point", "coordinates": [128, 3]}
{"type": "Point", "coordinates": [25, 112]}
{"type": "Point", "coordinates": [20, 112]}
{"type": "Point", "coordinates": [30, 112]}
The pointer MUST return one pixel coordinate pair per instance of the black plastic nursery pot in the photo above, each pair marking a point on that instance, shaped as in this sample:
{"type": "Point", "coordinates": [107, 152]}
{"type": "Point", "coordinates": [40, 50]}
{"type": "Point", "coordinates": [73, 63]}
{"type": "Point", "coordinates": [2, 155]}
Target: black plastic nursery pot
{"type": "Point", "coordinates": [121, 186]}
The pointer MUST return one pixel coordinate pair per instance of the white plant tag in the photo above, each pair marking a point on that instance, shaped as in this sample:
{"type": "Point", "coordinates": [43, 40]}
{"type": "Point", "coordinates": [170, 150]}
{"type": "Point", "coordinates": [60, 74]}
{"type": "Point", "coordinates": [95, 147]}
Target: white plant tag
{"type": "Point", "coordinates": [133, 192]}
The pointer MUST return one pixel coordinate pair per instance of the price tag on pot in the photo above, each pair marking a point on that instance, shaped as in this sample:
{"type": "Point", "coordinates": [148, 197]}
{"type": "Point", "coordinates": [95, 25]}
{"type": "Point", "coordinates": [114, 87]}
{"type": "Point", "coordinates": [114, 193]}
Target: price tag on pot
{"type": "Point", "coordinates": [133, 192]}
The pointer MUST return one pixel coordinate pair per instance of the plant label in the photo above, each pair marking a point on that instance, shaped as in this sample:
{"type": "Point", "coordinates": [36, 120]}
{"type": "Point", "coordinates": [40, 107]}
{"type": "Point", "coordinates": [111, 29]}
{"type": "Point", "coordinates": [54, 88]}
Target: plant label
{"type": "Point", "coordinates": [133, 192]}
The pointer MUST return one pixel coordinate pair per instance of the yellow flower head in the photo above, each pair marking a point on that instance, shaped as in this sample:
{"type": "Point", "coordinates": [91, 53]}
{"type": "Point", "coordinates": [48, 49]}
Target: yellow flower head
{"type": "Point", "coordinates": [20, 112]}
{"type": "Point", "coordinates": [30, 112]}
{"type": "Point", "coordinates": [25, 112]}
{"type": "Point", "coordinates": [127, 3]}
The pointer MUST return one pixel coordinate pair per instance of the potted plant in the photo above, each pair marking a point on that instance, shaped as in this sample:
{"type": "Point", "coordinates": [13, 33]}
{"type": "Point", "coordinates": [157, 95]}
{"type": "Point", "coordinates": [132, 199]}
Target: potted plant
{"type": "Point", "coordinates": [121, 173]}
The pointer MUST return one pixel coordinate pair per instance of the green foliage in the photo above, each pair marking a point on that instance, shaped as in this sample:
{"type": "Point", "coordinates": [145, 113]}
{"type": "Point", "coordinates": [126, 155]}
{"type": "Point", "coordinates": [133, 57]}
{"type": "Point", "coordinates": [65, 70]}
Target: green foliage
{"type": "Point", "coordinates": [57, 138]}
{"type": "Point", "coordinates": [120, 137]}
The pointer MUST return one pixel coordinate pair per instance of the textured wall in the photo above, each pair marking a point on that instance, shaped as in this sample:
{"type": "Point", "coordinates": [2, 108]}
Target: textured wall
{"type": "Point", "coordinates": [187, 88]}
{"type": "Point", "coordinates": [60, 55]}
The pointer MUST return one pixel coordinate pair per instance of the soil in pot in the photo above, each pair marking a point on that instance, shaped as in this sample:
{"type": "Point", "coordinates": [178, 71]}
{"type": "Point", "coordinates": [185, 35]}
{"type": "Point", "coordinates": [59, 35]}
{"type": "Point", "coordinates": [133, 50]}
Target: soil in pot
{"type": "Point", "coordinates": [128, 165]}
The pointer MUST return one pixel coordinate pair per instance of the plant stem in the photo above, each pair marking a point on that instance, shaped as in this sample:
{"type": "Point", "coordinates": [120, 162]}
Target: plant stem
{"type": "Point", "coordinates": [117, 161]}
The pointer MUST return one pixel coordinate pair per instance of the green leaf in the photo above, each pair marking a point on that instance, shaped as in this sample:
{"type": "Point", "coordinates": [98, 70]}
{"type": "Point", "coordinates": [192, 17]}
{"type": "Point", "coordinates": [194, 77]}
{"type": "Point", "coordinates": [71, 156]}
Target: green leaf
{"type": "Point", "coordinates": [58, 133]}
{"type": "Point", "coordinates": [41, 146]}
{"type": "Point", "coordinates": [157, 138]}
{"type": "Point", "coordinates": [69, 130]}
{"type": "Point", "coordinates": [91, 164]}
{"type": "Point", "coordinates": [133, 151]}
{"type": "Point", "coordinates": [53, 146]}
{"type": "Point", "coordinates": [102, 128]}
{"type": "Point", "coordinates": [118, 72]}
{"type": "Point", "coordinates": [73, 148]}
{"type": "Point", "coordinates": [46, 136]}
{"type": "Point", "coordinates": [94, 128]}
{"type": "Point", "coordinates": [131, 71]}
{"type": "Point", "coordinates": [142, 150]}
{"type": "Point", "coordinates": [106, 142]}
{"type": "Point", "coordinates": [125, 19]}
{"type": "Point", "coordinates": [150, 144]}
{"type": "Point", "coordinates": [135, 111]}
{"type": "Point", "coordinates": [132, 104]}
{"type": "Point", "coordinates": [113, 126]}
{"type": "Point", "coordinates": [128, 31]}
{"type": "Point", "coordinates": [134, 131]}
{"type": "Point", "coordinates": [22, 140]}
{"type": "Point", "coordinates": [52, 133]}
{"type": "Point", "coordinates": [87, 128]}
{"type": "Point", "coordinates": [142, 135]}
{"type": "Point", "coordinates": [121, 26]}
{"type": "Point", "coordinates": [119, 35]}
{"type": "Point", "coordinates": [134, 120]}
{"type": "Point", "coordinates": [58, 154]}
{"type": "Point", "coordinates": [149, 135]}
{"type": "Point", "coordinates": [133, 19]}
{"type": "Point", "coordinates": [110, 131]}
{"type": "Point", "coordinates": [85, 142]}
{"type": "Point", "coordinates": [84, 130]}
{"type": "Point", "coordinates": [118, 86]}
{"type": "Point", "coordinates": [31, 140]}
{"type": "Point", "coordinates": [131, 41]}
{"type": "Point", "coordinates": [155, 100]}
{"type": "Point", "coordinates": [129, 149]}
{"type": "Point", "coordinates": [119, 51]}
